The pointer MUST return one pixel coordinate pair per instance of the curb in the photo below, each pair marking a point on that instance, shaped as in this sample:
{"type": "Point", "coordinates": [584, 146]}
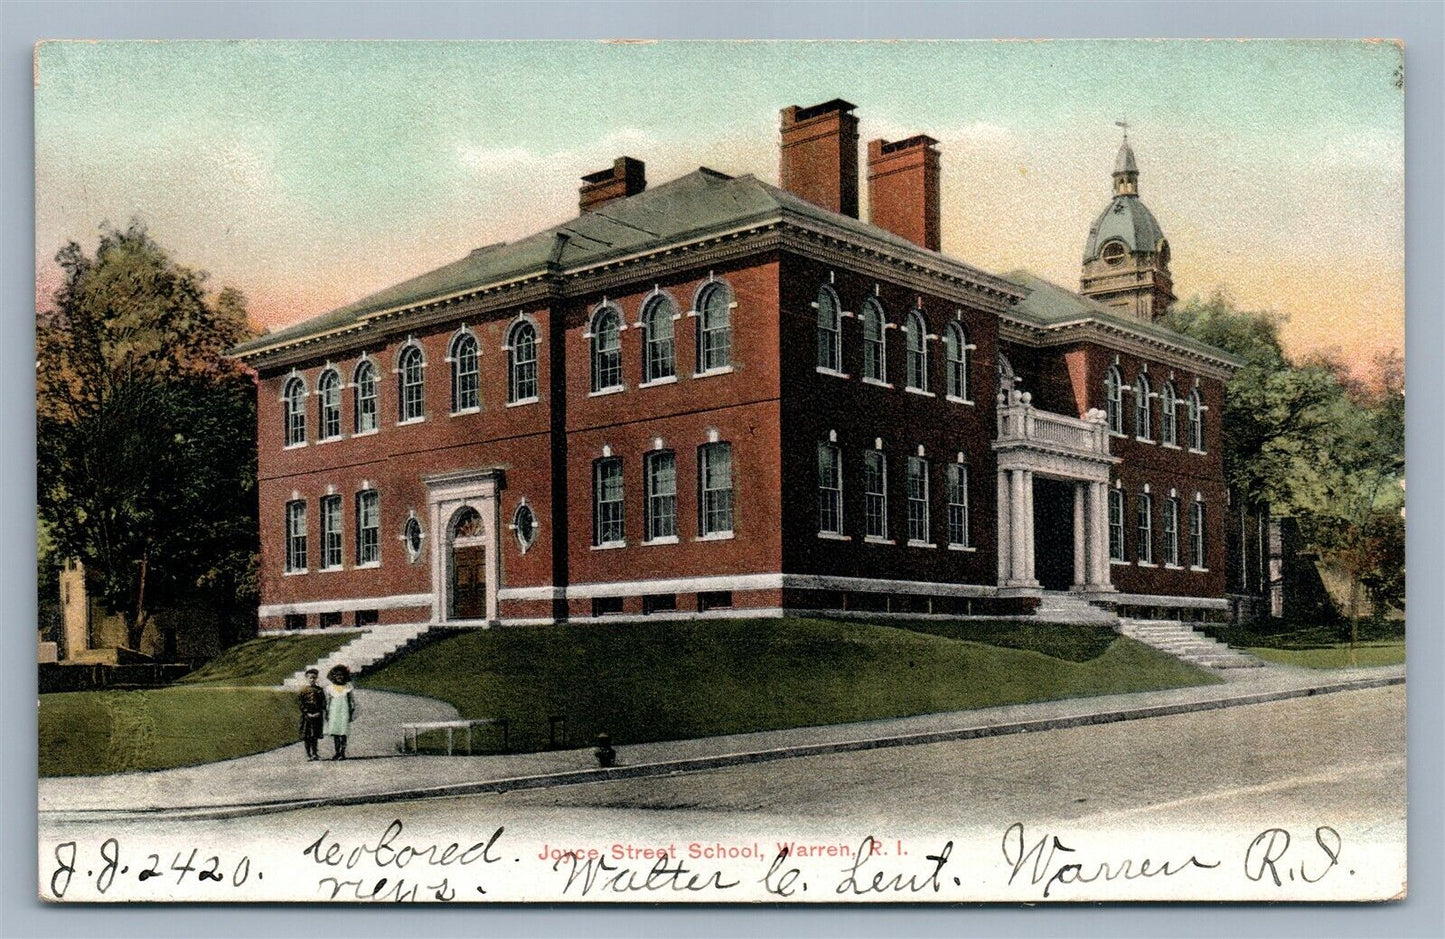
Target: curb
{"type": "Point", "coordinates": [699, 763]}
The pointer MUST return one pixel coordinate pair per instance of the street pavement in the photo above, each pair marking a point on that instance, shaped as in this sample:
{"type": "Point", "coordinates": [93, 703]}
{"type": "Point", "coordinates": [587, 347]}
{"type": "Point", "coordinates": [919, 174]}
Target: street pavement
{"type": "Point", "coordinates": [281, 778]}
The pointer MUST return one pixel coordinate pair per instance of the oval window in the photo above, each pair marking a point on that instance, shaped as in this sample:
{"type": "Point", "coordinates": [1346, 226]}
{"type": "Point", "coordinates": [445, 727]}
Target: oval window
{"type": "Point", "coordinates": [1113, 252]}
{"type": "Point", "coordinates": [524, 523]}
{"type": "Point", "coordinates": [411, 534]}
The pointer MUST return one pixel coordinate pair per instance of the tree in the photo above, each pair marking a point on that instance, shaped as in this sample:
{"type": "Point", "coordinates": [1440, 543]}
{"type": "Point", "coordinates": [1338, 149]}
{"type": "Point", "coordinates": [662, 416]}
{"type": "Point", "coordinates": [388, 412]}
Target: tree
{"type": "Point", "coordinates": [1315, 440]}
{"type": "Point", "coordinates": [145, 431]}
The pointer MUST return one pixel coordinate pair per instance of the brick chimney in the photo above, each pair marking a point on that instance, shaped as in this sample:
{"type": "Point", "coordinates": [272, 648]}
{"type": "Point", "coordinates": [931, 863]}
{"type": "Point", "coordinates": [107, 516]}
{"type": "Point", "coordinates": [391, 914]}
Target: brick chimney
{"type": "Point", "coordinates": [903, 188]}
{"type": "Point", "coordinates": [626, 177]}
{"type": "Point", "coordinates": [819, 160]}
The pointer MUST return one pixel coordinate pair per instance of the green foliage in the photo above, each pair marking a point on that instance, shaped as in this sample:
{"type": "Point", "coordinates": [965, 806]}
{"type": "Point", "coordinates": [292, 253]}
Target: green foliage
{"type": "Point", "coordinates": [145, 432]}
{"type": "Point", "coordinates": [664, 681]}
{"type": "Point", "coordinates": [266, 661]}
{"type": "Point", "coordinates": [1318, 440]}
{"type": "Point", "coordinates": [86, 733]}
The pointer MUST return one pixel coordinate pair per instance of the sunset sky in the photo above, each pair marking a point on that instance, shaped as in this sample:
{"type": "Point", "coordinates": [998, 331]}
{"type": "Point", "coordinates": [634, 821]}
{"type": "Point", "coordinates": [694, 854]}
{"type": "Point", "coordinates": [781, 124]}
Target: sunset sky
{"type": "Point", "coordinates": [310, 174]}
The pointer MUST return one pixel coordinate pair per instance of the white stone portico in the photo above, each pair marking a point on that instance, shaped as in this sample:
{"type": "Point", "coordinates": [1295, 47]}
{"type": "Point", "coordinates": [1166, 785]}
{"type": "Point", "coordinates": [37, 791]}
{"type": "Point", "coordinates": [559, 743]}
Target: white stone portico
{"type": "Point", "coordinates": [1033, 443]}
{"type": "Point", "coordinates": [448, 495]}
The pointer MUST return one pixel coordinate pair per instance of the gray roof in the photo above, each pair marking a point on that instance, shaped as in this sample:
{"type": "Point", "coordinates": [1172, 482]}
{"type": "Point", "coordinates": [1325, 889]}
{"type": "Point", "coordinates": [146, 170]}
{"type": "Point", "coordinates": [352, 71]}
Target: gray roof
{"type": "Point", "coordinates": [1124, 162]}
{"type": "Point", "coordinates": [1126, 219]}
{"type": "Point", "coordinates": [1048, 304]}
{"type": "Point", "coordinates": [702, 202]}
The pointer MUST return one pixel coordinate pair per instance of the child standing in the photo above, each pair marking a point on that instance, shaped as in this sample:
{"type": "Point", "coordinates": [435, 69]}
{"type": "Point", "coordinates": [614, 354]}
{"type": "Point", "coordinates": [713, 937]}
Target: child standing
{"type": "Point", "coordinates": [340, 709]}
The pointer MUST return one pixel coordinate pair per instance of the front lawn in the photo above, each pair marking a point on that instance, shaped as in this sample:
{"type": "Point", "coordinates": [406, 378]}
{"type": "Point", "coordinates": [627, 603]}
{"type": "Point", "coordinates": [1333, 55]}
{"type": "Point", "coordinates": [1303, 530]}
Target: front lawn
{"type": "Point", "coordinates": [84, 733]}
{"type": "Point", "coordinates": [266, 661]}
{"type": "Point", "coordinates": [675, 680]}
{"type": "Point", "coordinates": [1336, 655]}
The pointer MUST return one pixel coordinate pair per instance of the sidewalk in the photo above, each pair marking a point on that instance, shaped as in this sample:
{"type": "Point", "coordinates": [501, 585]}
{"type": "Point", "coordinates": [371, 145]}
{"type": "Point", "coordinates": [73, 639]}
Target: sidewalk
{"type": "Point", "coordinates": [282, 780]}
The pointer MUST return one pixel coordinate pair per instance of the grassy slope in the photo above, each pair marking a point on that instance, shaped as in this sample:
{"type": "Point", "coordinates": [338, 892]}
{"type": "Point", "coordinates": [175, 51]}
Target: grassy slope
{"type": "Point", "coordinates": [661, 681]}
{"type": "Point", "coordinates": [1335, 656]}
{"type": "Point", "coordinates": [265, 661]}
{"type": "Point", "coordinates": [91, 732]}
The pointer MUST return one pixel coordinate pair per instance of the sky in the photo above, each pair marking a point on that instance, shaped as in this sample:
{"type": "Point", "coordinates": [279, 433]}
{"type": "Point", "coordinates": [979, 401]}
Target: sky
{"type": "Point", "coordinates": [309, 174]}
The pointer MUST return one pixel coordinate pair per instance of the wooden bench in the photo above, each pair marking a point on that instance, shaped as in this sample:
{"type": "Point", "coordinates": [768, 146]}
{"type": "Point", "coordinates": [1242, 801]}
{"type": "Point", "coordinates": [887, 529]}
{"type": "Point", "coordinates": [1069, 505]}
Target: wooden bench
{"type": "Point", "coordinates": [410, 732]}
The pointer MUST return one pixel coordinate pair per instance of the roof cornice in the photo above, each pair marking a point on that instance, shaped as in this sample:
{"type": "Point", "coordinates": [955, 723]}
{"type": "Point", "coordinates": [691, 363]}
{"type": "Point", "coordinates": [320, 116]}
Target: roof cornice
{"type": "Point", "coordinates": [1118, 336]}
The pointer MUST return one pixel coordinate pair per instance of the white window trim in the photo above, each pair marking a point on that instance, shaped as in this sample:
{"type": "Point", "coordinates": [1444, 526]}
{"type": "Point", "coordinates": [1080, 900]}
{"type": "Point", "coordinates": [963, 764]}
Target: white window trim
{"type": "Point", "coordinates": [716, 536]}
{"type": "Point", "coordinates": [662, 539]}
{"type": "Point", "coordinates": [921, 544]}
{"type": "Point", "coordinates": [664, 380]}
{"type": "Point", "coordinates": [720, 370]}
{"type": "Point", "coordinates": [919, 391]}
{"type": "Point", "coordinates": [874, 539]}
{"type": "Point", "coordinates": [609, 390]}
{"type": "Point", "coordinates": [834, 536]}
{"type": "Point", "coordinates": [296, 573]}
{"type": "Point", "coordinates": [295, 446]}
{"type": "Point", "coordinates": [1199, 452]}
{"type": "Point", "coordinates": [523, 401]}
{"type": "Point", "coordinates": [957, 400]}
{"type": "Point", "coordinates": [828, 371]}
{"type": "Point", "coordinates": [962, 547]}
{"type": "Point", "coordinates": [477, 409]}
{"type": "Point", "coordinates": [411, 420]}
{"type": "Point", "coordinates": [369, 564]}
{"type": "Point", "coordinates": [609, 545]}
{"type": "Point", "coordinates": [878, 384]}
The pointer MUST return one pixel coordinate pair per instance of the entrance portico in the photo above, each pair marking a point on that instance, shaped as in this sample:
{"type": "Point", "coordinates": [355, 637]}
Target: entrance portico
{"type": "Point", "coordinates": [1034, 444]}
{"type": "Point", "coordinates": [465, 518]}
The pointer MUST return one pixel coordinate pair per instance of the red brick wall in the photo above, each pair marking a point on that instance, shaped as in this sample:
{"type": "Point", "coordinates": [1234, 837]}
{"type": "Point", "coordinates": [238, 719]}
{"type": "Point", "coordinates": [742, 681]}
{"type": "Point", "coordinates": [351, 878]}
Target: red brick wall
{"type": "Point", "coordinates": [815, 403]}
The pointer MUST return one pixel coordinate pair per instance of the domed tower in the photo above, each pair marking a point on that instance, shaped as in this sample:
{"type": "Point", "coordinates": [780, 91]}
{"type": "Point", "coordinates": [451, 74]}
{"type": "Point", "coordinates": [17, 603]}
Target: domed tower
{"type": "Point", "coordinates": [1126, 259]}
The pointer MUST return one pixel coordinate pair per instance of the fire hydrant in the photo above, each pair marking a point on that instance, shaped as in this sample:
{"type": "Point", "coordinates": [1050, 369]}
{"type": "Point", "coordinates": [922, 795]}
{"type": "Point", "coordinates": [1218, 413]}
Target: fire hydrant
{"type": "Point", "coordinates": [606, 756]}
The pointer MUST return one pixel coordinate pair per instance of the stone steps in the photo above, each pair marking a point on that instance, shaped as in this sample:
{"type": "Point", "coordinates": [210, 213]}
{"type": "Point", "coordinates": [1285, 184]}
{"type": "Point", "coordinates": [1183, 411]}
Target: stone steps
{"type": "Point", "coordinates": [1183, 642]}
{"type": "Point", "coordinates": [1057, 607]}
{"type": "Point", "coordinates": [374, 647]}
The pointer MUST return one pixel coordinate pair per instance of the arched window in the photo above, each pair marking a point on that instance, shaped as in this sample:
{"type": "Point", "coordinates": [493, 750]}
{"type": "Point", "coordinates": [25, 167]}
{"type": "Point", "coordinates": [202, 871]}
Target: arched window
{"type": "Point", "coordinates": [1142, 411]}
{"type": "Point", "coordinates": [875, 363]}
{"type": "Point", "coordinates": [659, 353]}
{"type": "Point", "coordinates": [466, 379]}
{"type": "Point", "coordinates": [467, 523]}
{"type": "Point", "coordinates": [293, 407]}
{"type": "Point", "coordinates": [606, 349]}
{"type": "Point", "coordinates": [522, 363]}
{"type": "Point", "coordinates": [955, 342]}
{"type": "Point", "coordinates": [410, 385]}
{"type": "Point", "coordinates": [364, 397]}
{"type": "Point", "coordinates": [328, 404]}
{"type": "Point", "coordinates": [917, 334]}
{"type": "Point", "coordinates": [714, 327]}
{"type": "Point", "coordinates": [1196, 420]}
{"type": "Point", "coordinates": [1168, 416]}
{"type": "Point", "coordinates": [1114, 399]}
{"type": "Point", "coordinates": [830, 332]}
{"type": "Point", "coordinates": [1006, 377]}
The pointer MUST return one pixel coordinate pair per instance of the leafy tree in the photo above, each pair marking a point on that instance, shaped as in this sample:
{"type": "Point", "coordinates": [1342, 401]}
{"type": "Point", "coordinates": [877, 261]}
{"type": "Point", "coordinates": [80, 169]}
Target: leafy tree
{"type": "Point", "coordinates": [1315, 440]}
{"type": "Point", "coordinates": [145, 431]}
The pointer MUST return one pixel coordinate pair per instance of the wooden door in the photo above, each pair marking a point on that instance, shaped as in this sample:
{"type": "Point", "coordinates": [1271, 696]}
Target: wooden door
{"type": "Point", "coordinates": [469, 582]}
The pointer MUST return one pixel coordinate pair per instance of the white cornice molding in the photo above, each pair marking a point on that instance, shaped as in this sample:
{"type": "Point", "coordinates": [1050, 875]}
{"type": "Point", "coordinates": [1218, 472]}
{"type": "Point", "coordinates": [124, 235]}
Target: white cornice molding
{"type": "Point", "coordinates": [1116, 336]}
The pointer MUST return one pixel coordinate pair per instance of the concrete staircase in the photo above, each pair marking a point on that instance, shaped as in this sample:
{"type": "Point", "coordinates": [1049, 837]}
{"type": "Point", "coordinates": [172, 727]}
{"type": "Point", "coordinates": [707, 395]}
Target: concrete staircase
{"type": "Point", "coordinates": [1059, 607]}
{"type": "Point", "coordinates": [376, 646]}
{"type": "Point", "coordinates": [1183, 642]}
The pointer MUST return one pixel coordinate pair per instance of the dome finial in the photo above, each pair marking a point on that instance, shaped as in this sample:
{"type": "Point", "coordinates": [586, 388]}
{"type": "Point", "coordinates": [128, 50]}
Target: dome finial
{"type": "Point", "coordinates": [1126, 170]}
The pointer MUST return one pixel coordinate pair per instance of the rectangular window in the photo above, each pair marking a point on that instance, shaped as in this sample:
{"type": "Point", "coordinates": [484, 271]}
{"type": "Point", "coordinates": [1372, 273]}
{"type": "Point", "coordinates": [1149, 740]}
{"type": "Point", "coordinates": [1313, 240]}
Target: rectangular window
{"type": "Point", "coordinates": [660, 482]}
{"type": "Point", "coordinates": [368, 527]}
{"type": "Point", "coordinates": [295, 620]}
{"type": "Point", "coordinates": [659, 603]}
{"type": "Point", "coordinates": [830, 489]}
{"type": "Point", "coordinates": [330, 620]}
{"type": "Point", "coordinates": [918, 499]}
{"type": "Point", "coordinates": [365, 416]}
{"type": "Point", "coordinates": [1171, 531]}
{"type": "Point", "coordinates": [715, 487]}
{"type": "Point", "coordinates": [1196, 535]}
{"type": "Point", "coordinates": [367, 617]}
{"type": "Point", "coordinates": [714, 600]}
{"type": "Point", "coordinates": [875, 494]}
{"type": "Point", "coordinates": [296, 536]}
{"type": "Point", "coordinates": [330, 533]}
{"type": "Point", "coordinates": [607, 505]}
{"type": "Point", "coordinates": [958, 505]}
{"type": "Point", "coordinates": [1116, 525]}
{"type": "Point", "coordinates": [606, 606]}
{"type": "Point", "coordinates": [1144, 546]}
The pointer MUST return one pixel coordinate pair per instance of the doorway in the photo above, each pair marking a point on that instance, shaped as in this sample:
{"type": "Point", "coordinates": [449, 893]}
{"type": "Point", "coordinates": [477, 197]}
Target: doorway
{"type": "Point", "coordinates": [1053, 533]}
{"type": "Point", "coordinates": [469, 582]}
